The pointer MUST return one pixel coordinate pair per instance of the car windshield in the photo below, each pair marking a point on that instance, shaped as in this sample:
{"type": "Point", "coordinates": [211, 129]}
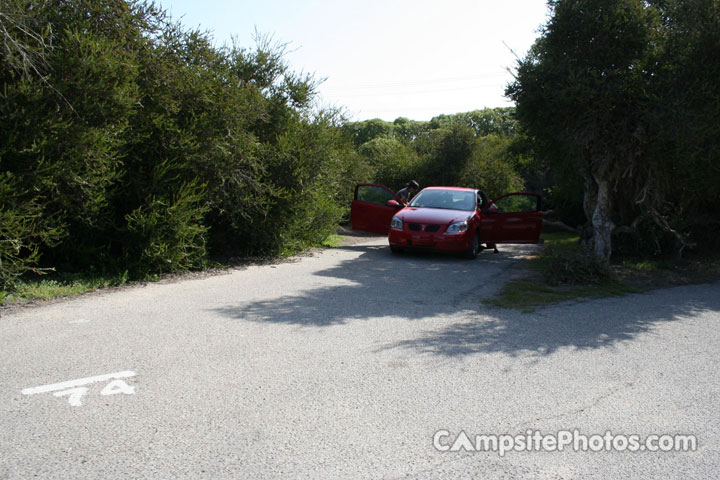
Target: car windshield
{"type": "Point", "coordinates": [447, 199]}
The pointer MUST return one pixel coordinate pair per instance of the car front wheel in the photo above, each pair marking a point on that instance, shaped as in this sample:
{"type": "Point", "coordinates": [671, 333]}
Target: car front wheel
{"type": "Point", "coordinates": [474, 248]}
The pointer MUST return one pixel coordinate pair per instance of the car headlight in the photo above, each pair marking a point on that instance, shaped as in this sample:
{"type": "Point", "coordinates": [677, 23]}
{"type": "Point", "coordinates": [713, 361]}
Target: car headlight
{"type": "Point", "coordinates": [396, 223]}
{"type": "Point", "coordinates": [458, 227]}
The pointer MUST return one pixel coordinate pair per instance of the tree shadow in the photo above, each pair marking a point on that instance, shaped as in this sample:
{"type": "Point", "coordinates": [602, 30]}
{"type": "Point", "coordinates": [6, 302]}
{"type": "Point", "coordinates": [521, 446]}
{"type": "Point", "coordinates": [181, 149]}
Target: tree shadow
{"type": "Point", "coordinates": [589, 325]}
{"type": "Point", "coordinates": [378, 284]}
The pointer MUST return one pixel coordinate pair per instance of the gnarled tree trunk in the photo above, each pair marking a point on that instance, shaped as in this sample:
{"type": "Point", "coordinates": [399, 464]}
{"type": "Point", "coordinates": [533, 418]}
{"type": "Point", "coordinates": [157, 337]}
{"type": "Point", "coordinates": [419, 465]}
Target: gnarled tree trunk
{"type": "Point", "coordinates": [602, 223]}
{"type": "Point", "coordinates": [598, 207]}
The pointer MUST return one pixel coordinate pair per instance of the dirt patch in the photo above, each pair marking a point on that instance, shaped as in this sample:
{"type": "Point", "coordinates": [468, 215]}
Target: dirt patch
{"type": "Point", "coordinates": [349, 237]}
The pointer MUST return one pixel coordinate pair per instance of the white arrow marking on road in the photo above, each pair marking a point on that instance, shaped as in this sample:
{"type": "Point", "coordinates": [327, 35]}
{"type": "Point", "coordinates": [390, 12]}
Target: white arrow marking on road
{"type": "Point", "coordinates": [76, 383]}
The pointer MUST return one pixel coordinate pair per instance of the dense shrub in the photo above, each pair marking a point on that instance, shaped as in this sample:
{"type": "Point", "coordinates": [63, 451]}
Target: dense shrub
{"type": "Point", "coordinates": [167, 234]}
{"type": "Point", "coordinates": [22, 232]}
{"type": "Point", "coordinates": [128, 142]}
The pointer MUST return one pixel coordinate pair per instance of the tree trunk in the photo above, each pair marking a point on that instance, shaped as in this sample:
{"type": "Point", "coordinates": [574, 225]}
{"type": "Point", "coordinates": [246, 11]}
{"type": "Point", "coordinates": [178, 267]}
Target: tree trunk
{"type": "Point", "coordinates": [589, 202]}
{"type": "Point", "coordinates": [602, 222]}
{"type": "Point", "coordinates": [597, 205]}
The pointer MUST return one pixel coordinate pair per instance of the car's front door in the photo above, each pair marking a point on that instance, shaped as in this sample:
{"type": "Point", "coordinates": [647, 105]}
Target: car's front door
{"type": "Point", "coordinates": [512, 218]}
{"type": "Point", "coordinates": [370, 211]}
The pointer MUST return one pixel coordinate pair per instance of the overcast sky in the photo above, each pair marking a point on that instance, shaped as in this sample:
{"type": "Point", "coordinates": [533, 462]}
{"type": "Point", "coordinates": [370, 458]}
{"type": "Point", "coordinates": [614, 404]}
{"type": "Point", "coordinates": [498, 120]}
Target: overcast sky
{"type": "Point", "coordinates": [386, 59]}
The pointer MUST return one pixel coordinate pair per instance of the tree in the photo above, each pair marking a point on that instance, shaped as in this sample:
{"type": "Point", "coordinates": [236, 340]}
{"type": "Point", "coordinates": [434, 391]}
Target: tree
{"type": "Point", "coordinates": [581, 87]}
{"type": "Point", "coordinates": [394, 162]}
{"type": "Point", "coordinates": [484, 122]}
{"type": "Point", "coordinates": [683, 188]}
{"type": "Point", "coordinates": [492, 167]}
{"type": "Point", "coordinates": [625, 92]}
{"type": "Point", "coordinates": [366, 130]}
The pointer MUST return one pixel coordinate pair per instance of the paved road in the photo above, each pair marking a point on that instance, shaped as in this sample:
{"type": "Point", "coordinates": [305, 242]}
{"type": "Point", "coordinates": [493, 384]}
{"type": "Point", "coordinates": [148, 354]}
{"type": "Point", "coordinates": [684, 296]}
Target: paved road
{"type": "Point", "coordinates": [344, 364]}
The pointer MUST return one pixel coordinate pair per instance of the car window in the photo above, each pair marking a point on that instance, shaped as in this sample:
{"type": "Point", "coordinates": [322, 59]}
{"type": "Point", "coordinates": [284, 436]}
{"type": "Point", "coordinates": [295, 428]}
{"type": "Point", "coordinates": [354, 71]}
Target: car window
{"type": "Point", "coordinates": [517, 204]}
{"type": "Point", "coordinates": [445, 199]}
{"type": "Point", "coordinates": [373, 194]}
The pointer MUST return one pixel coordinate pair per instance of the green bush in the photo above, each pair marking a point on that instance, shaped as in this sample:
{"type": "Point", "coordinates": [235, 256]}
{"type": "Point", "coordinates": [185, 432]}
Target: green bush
{"type": "Point", "coordinates": [135, 144]}
{"type": "Point", "coordinates": [22, 232]}
{"type": "Point", "coordinates": [167, 234]}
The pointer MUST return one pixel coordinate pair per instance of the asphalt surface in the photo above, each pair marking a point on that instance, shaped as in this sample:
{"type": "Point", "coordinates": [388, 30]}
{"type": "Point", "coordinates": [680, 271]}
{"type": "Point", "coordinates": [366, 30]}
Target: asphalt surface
{"type": "Point", "coordinates": [344, 364]}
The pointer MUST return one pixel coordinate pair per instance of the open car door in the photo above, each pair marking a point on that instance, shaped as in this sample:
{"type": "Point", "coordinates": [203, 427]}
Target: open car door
{"type": "Point", "coordinates": [373, 207]}
{"type": "Point", "coordinates": [512, 218]}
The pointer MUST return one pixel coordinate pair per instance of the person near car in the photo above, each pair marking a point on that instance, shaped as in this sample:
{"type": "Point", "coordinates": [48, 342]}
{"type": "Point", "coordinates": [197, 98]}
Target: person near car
{"type": "Point", "coordinates": [492, 209]}
{"type": "Point", "coordinates": [483, 202]}
{"type": "Point", "coordinates": [409, 191]}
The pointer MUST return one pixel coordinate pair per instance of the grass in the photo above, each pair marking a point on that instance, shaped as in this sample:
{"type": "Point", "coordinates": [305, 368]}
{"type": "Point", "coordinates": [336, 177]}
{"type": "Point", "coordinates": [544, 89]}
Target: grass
{"type": "Point", "coordinates": [567, 240]}
{"type": "Point", "coordinates": [647, 265]}
{"type": "Point", "coordinates": [562, 272]}
{"type": "Point", "coordinates": [332, 240]}
{"type": "Point", "coordinates": [528, 295]}
{"type": "Point", "coordinates": [537, 291]}
{"type": "Point", "coordinates": [59, 285]}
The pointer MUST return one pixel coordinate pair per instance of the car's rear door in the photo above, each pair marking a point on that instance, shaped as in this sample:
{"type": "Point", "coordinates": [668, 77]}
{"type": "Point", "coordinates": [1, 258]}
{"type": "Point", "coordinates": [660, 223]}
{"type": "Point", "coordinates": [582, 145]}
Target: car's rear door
{"type": "Point", "coordinates": [369, 211]}
{"type": "Point", "coordinates": [512, 218]}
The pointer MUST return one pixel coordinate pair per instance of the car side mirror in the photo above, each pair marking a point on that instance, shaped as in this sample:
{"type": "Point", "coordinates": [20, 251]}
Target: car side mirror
{"type": "Point", "coordinates": [392, 203]}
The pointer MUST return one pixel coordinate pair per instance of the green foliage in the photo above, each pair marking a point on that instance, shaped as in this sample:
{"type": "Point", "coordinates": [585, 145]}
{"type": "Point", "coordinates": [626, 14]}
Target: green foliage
{"type": "Point", "coordinates": [129, 143]}
{"type": "Point", "coordinates": [497, 121]}
{"type": "Point", "coordinates": [167, 233]}
{"type": "Point", "coordinates": [367, 130]}
{"type": "Point", "coordinates": [61, 285]}
{"type": "Point", "coordinates": [492, 167]}
{"type": "Point", "coordinates": [22, 231]}
{"type": "Point", "coordinates": [623, 95]}
{"type": "Point", "coordinates": [477, 149]}
{"type": "Point", "coordinates": [393, 161]}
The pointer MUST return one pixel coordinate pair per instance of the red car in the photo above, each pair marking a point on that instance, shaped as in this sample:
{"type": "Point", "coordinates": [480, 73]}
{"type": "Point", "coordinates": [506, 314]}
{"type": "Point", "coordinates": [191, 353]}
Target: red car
{"type": "Point", "coordinates": [446, 218]}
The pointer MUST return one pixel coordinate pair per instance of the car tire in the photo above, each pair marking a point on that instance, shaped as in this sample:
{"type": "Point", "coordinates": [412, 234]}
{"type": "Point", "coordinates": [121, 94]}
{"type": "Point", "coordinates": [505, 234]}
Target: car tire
{"type": "Point", "coordinates": [474, 248]}
{"type": "Point", "coordinates": [396, 250]}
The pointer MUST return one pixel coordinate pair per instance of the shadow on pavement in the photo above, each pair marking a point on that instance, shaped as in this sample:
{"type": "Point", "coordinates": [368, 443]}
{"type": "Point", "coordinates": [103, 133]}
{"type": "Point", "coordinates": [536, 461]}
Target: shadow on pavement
{"type": "Point", "coordinates": [377, 284]}
{"type": "Point", "coordinates": [425, 285]}
{"type": "Point", "coordinates": [589, 325]}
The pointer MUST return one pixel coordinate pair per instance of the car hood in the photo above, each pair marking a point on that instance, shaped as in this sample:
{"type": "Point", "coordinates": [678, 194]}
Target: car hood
{"type": "Point", "coordinates": [435, 216]}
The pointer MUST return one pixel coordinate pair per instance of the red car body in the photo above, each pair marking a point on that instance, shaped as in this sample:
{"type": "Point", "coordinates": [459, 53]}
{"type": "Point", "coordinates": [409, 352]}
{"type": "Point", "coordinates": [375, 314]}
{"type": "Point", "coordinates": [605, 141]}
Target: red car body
{"type": "Point", "coordinates": [511, 218]}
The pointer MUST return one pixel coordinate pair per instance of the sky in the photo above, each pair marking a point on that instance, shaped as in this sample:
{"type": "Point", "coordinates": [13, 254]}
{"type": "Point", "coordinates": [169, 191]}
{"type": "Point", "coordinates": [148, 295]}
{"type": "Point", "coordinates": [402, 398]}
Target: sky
{"type": "Point", "coordinates": [385, 59]}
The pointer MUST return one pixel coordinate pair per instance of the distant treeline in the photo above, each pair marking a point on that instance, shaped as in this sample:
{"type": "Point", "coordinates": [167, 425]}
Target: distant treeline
{"type": "Point", "coordinates": [478, 148]}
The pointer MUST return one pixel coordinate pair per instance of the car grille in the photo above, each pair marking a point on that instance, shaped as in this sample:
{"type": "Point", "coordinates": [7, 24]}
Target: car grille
{"type": "Point", "coordinates": [417, 227]}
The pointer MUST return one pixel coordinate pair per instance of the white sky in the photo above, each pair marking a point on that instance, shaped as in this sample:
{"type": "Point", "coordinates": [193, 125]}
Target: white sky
{"type": "Point", "coordinates": [386, 59]}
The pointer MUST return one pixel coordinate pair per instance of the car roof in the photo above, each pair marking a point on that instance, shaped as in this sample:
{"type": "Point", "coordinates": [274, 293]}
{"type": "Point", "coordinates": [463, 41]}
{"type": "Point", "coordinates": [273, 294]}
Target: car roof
{"type": "Point", "coordinates": [462, 189]}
